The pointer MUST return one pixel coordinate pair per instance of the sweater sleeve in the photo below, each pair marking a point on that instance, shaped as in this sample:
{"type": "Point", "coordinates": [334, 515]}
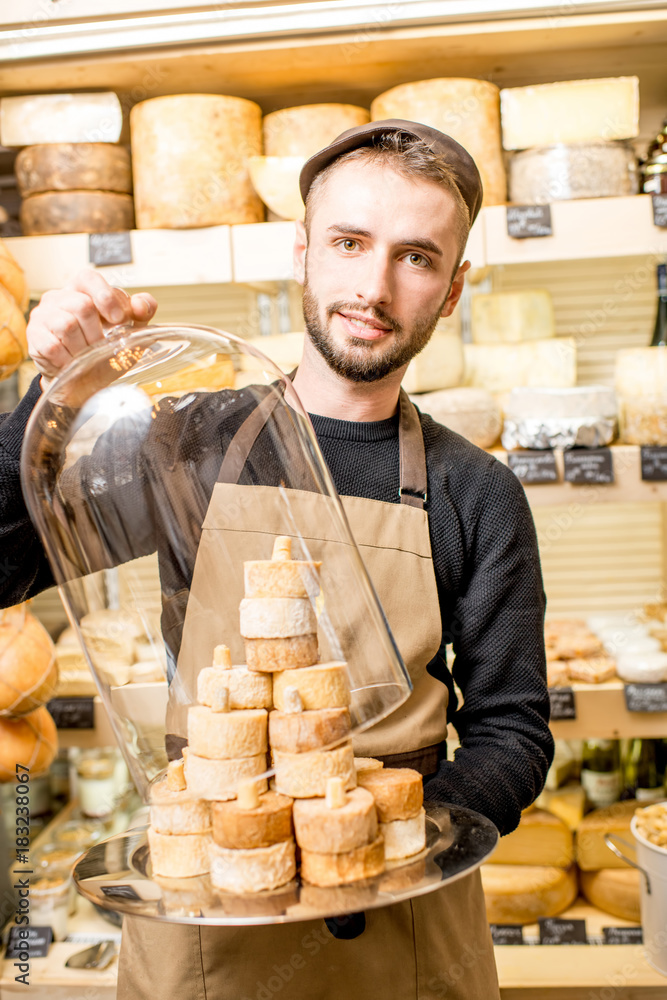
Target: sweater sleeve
{"type": "Point", "coordinates": [500, 666]}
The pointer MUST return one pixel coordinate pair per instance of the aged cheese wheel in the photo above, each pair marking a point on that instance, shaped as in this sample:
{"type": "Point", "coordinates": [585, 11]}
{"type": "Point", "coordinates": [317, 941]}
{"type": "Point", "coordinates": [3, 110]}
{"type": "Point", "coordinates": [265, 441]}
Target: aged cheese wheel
{"type": "Point", "coordinates": [282, 576]}
{"type": "Point", "coordinates": [272, 655]}
{"type": "Point", "coordinates": [31, 741]}
{"type": "Point", "coordinates": [28, 670]}
{"type": "Point", "coordinates": [13, 342]}
{"type": "Point", "coordinates": [404, 837]}
{"type": "Point", "coordinates": [252, 870]}
{"type": "Point", "coordinates": [305, 775]}
{"type": "Point", "coordinates": [12, 278]}
{"type": "Point", "coordinates": [468, 110]}
{"type": "Point", "coordinates": [223, 735]}
{"type": "Point", "coordinates": [176, 812]}
{"type": "Point", "coordinates": [614, 890]}
{"type": "Point", "coordinates": [324, 685]}
{"type": "Point", "coordinates": [38, 118]}
{"type": "Point", "coordinates": [540, 839]}
{"type": "Point", "coordinates": [523, 894]}
{"type": "Point", "coordinates": [219, 779]}
{"type": "Point", "coordinates": [73, 166]}
{"type": "Point", "coordinates": [398, 792]}
{"type": "Point", "coordinates": [319, 828]}
{"type": "Point", "coordinates": [337, 869]}
{"type": "Point", "coordinates": [269, 822]}
{"type": "Point", "coordinates": [296, 732]}
{"type": "Point", "coordinates": [304, 130]}
{"type": "Point", "coordinates": [591, 849]}
{"type": "Point", "coordinates": [181, 856]}
{"type": "Point", "coordinates": [189, 159]}
{"type": "Point", "coordinates": [276, 617]}
{"type": "Point", "coordinates": [76, 212]}
{"type": "Point", "coordinates": [247, 688]}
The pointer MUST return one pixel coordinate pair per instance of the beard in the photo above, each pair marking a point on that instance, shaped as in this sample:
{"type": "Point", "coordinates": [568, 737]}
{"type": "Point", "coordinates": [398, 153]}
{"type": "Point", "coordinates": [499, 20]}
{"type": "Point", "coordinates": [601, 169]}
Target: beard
{"type": "Point", "coordinates": [361, 360]}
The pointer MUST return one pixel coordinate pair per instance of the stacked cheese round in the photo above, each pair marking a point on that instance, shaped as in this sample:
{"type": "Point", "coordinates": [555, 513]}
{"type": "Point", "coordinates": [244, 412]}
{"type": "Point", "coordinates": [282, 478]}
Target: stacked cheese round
{"type": "Point", "coordinates": [399, 800]}
{"type": "Point", "coordinates": [180, 829]}
{"type": "Point", "coordinates": [606, 880]}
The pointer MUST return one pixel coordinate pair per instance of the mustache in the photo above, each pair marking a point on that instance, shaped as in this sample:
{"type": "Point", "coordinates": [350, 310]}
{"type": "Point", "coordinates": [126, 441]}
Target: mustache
{"type": "Point", "coordinates": [373, 313]}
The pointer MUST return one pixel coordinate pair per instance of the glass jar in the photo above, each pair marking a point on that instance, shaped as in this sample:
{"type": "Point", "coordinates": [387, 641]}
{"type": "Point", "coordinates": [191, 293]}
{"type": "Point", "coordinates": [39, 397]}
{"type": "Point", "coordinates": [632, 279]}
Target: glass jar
{"type": "Point", "coordinates": [79, 833]}
{"type": "Point", "coordinates": [97, 782]}
{"type": "Point", "coordinates": [57, 859]}
{"type": "Point", "coordinates": [50, 901]}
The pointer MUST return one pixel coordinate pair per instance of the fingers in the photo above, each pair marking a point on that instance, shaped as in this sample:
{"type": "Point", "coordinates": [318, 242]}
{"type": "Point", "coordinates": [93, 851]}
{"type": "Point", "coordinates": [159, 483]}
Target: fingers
{"type": "Point", "coordinates": [143, 306]}
{"type": "Point", "coordinates": [113, 304]}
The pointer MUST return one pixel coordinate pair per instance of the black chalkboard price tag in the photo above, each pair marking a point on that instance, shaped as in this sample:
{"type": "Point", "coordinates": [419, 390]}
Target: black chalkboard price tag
{"type": "Point", "coordinates": [526, 221]}
{"type": "Point", "coordinates": [659, 202]}
{"type": "Point", "coordinates": [72, 713]}
{"type": "Point", "coordinates": [33, 940]}
{"type": "Point", "coordinates": [556, 930]}
{"type": "Point", "coordinates": [589, 465]}
{"type": "Point", "coordinates": [507, 933]}
{"type": "Point", "coordinates": [109, 248]}
{"type": "Point", "coordinates": [563, 705]}
{"type": "Point", "coordinates": [533, 467]}
{"type": "Point", "coordinates": [646, 697]}
{"type": "Point", "coordinates": [654, 463]}
{"type": "Point", "coordinates": [623, 935]}
{"type": "Point", "coordinates": [120, 891]}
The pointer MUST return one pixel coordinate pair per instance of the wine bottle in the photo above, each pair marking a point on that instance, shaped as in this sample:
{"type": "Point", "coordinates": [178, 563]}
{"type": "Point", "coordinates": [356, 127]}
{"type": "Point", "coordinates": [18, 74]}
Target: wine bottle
{"type": "Point", "coordinates": [660, 329]}
{"type": "Point", "coordinates": [601, 776]}
{"type": "Point", "coordinates": [644, 779]}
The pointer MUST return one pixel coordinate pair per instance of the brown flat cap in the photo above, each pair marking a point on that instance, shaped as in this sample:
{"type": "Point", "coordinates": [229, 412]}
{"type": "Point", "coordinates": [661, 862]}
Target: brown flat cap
{"type": "Point", "coordinates": [463, 166]}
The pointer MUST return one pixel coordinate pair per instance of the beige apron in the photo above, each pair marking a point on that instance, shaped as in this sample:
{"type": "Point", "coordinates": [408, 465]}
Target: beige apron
{"type": "Point", "coordinates": [435, 946]}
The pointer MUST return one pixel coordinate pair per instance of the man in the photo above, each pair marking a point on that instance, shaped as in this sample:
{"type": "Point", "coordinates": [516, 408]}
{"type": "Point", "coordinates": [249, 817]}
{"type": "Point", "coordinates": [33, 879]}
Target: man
{"type": "Point", "coordinates": [388, 209]}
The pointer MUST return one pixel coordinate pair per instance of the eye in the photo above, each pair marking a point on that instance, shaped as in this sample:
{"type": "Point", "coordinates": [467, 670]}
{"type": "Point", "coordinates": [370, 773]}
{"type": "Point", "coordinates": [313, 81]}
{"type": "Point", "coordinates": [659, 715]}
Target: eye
{"type": "Point", "coordinates": [349, 244]}
{"type": "Point", "coordinates": [418, 260]}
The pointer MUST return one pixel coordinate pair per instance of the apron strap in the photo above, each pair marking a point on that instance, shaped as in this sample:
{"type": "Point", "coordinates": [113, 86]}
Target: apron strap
{"type": "Point", "coordinates": [243, 441]}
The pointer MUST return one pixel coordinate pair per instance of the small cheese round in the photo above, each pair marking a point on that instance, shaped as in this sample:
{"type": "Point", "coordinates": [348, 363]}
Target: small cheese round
{"type": "Point", "coordinates": [644, 668]}
{"type": "Point", "coordinates": [305, 775]}
{"type": "Point", "coordinates": [324, 685]}
{"type": "Point", "coordinates": [219, 779]}
{"type": "Point", "coordinates": [252, 870]}
{"type": "Point", "coordinates": [276, 617]}
{"type": "Point", "coordinates": [247, 688]}
{"type": "Point", "coordinates": [272, 655]}
{"type": "Point", "coordinates": [613, 890]}
{"type": "Point", "coordinates": [221, 735]}
{"type": "Point", "coordinates": [334, 831]}
{"type": "Point", "coordinates": [398, 792]}
{"type": "Point", "coordinates": [268, 823]}
{"type": "Point", "coordinates": [337, 869]}
{"type": "Point", "coordinates": [296, 732]}
{"type": "Point", "coordinates": [404, 837]}
{"type": "Point", "coordinates": [179, 856]}
{"type": "Point", "coordinates": [282, 578]}
{"type": "Point", "coordinates": [176, 812]}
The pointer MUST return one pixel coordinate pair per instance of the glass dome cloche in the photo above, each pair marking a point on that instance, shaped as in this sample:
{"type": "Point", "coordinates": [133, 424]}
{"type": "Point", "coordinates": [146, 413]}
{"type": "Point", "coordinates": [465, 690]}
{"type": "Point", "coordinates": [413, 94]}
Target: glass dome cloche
{"type": "Point", "coordinates": [201, 551]}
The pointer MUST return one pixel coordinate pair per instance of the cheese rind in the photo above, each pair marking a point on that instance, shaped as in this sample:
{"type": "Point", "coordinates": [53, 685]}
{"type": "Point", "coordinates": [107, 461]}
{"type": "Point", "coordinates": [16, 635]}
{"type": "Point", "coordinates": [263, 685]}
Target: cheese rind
{"type": "Point", "coordinates": [398, 792]}
{"type": "Point", "coordinates": [523, 894]}
{"type": "Point", "coordinates": [55, 212]}
{"type": "Point", "coordinates": [613, 890]}
{"type": "Point", "coordinates": [404, 837]}
{"type": "Point", "coordinates": [591, 849]}
{"type": "Point", "coordinates": [218, 779]}
{"type": "Point", "coordinates": [499, 368]}
{"type": "Point", "coordinates": [324, 830]}
{"type": "Point", "coordinates": [297, 732]}
{"type": "Point", "coordinates": [324, 685]}
{"type": "Point", "coordinates": [179, 856]}
{"type": "Point", "coordinates": [337, 869]}
{"type": "Point", "coordinates": [305, 129]}
{"type": "Point", "coordinates": [247, 688]}
{"type": "Point", "coordinates": [177, 812]}
{"type": "Point", "coordinates": [511, 317]}
{"type": "Point", "coordinates": [223, 735]}
{"type": "Point", "coordinates": [541, 839]}
{"type": "Point", "coordinates": [272, 655]}
{"type": "Point", "coordinates": [282, 578]}
{"type": "Point", "coordinates": [72, 166]}
{"type": "Point", "coordinates": [305, 775]}
{"type": "Point", "coordinates": [40, 118]}
{"type": "Point", "coordinates": [252, 870]}
{"type": "Point", "coordinates": [276, 617]}
{"type": "Point", "coordinates": [268, 823]}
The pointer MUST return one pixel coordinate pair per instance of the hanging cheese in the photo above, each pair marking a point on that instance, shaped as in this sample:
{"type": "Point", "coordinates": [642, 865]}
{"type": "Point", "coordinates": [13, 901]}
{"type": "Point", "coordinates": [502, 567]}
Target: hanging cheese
{"type": "Point", "coordinates": [282, 576]}
{"type": "Point", "coordinates": [468, 110]}
{"type": "Point", "coordinates": [38, 118]}
{"type": "Point", "coordinates": [404, 837]}
{"type": "Point", "coordinates": [305, 775]}
{"type": "Point", "coordinates": [189, 160]}
{"type": "Point", "coordinates": [31, 741]}
{"type": "Point", "coordinates": [13, 341]}
{"type": "Point", "coordinates": [276, 617]}
{"type": "Point", "coordinates": [540, 839]}
{"type": "Point", "coordinates": [510, 317]}
{"type": "Point", "coordinates": [613, 890]}
{"type": "Point", "coordinates": [252, 870]}
{"type": "Point", "coordinates": [73, 166]}
{"type": "Point", "coordinates": [523, 894]}
{"type": "Point", "coordinates": [498, 368]}
{"type": "Point", "coordinates": [572, 111]}
{"type": "Point", "coordinates": [592, 851]}
{"type": "Point", "coordinates": [179, 856]}
{"type": "Point", "coordinates": [219, 779]}
{"type": "Point", "coordinates": [336, 869]}
{"type": "Point", "coordinates": [438, 366]}
{"type": "Point", "coordinates": [76, 212]}
{"type": "Point", "coordinates": [297, 732]}
{"type": "Point", "coordinates": [306, 129]}
{"type": "Point", "coordinates": [12, 278]}
{"type": "Point", "coordinates": [326, 830]}
{"type": "Point", "coordinates": [263, 824]}
{"type": "Point", "coordinates": [28, 670]}
{"type": "Point", "coordinates": [226, 734]}
{"type": "Point", "coordinates": [324, 685]}
{"type": "Point", "coordinates": [247, 688]}
{"type": "Point", "coordinates": [281, 654]}
{"type": "Point", "coordinates": [398, 792]}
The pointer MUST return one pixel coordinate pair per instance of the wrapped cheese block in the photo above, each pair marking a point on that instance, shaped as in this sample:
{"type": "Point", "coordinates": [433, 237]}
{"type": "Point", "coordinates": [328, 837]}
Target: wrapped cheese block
{"type": "Point", "coordinates": [613, 890]}
{"type": "Point", "coordinates": [468, 110]}
{"type": "Point", "coordinates": [282, 576]}
{"type": "Point", "coordinates": [73, 166]}
{"type": "Point", "coordinates": [28, 670]}
{"type": "Point", "coordinates": [641, 388]}
{"type": "Point", "coordinates": [572, 111]}
{"type": "Point", "coordinates": [189, 160]}
{"type": "Point", "coordinates": [438, 366]}
{"type": "Point", "coordinates": [304, 130]}
{"type": "Point", "coordinates": [13, 341]}
{"type": "Point", "coordinates": [296, 732]}
{"type": "Point", "coordinates": [540, 839]}
{"type": "Point", "coordinates": [52, 118]}
{"type": "Point", "coordinates": [567, 172]}
{"type": "Point", "coordinates": [31, 740]}
{"type": "Point", "coordinates": [473, 413]}
{"type": "Point", "coordinates": [246, 824]}
{"type": "Point", "coordinates": [252, 870]}
{"type": "Point", "coordinates": [324, 685]}
{"type": "Point", "coordinates": [172, 808]}
{"type": "Point", "coordinates": [12, 278]}
{"type": "Point", "coordinates": [404, 837]}
{"type": "Point", "coordinates": [337, 828]}
{"type": "Point", "coordinates": [498, 368]}
{"type": "Point", "coordinates": [219, 779]}
{"type": "Point", "coordinates": [305, 775]}
{"type": "Point", "coordinates": [226, 734]}
{"type": "Point", "coordinates": [337, 869]}
{"type": "Point", "coordinates": [247, 688]}
{"type": "Point", "coordinates": [398, 792]}
{"type": "Point", "coordinates": [276, 617]}
{"type": "Point", "coordinates": [510, 317]}
{"type": "Point", "coordinates": [181, 856]}
{"type": "Point", "coordinates": [524, 894]}
{"type": "Point", "coordinates": [271, 655]}
{"type": "Point", "coordinates": [76, 212]}
{"type": "Point", "coordinates": [591, 850]}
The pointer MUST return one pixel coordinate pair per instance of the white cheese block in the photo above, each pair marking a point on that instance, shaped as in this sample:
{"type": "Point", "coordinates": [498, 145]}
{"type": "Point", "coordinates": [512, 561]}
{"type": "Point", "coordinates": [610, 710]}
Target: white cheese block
{"type": "Point", "coordinates": [404, 837]}
{"type": "Point", "coordinates": [585, 401]}
{"type": "Point", "coordinates": [438, 366]}
{"type": "Point", "coordinates": [334, 831]}
{"type": "Point", "coordinates": [498, 368]}
{"type": "Point", "coordinates": [565, 173]}
{"type": "Point", "coordinates": [573, 111]}
{"type": "Point", "coordinates": [337, 869]}
{"type": "Point", "coordinates": [398, 792]}
{"type": "Point", "coordinates": [305, 775]}
{"type": "Point", "coordinates": [510, 317]}
{"type": "Point", "coordinates": [324, 685]}
{"type": "Point", "coordinates": [179, 856]}
{"type": "Point", "coordinates": [642, 668]}
{"type": "Point", "coordinates": [613, 890]}
{"type": "Point", "coordinates": [523, 894]}
{"type": "Point", "coordinates": [224, 735]}
{"type": "Point", "coordinates": [305, 129]}
{"type": "Point", "coordinates": [36, 118]}
{"type": "Point", "coordinates": [247, 688]}
{"type": "Point", "coordinates": [254, 869]}
{"type": "Point", "coordinates": [540, 839]}
{"type": "Point", "coordinates": [276, 617]}
{"type": "Point", "coordinates": [298, 732]}
{"type": "Point", "coordinates": [219, 779]}
{"type": "Point", "coordinates": [473, 413]}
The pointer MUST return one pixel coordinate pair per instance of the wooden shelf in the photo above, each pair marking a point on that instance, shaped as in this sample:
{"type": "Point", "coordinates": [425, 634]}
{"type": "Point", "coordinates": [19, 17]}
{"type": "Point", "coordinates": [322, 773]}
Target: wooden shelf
{"type": "Point", "coordinates": [601, 714]}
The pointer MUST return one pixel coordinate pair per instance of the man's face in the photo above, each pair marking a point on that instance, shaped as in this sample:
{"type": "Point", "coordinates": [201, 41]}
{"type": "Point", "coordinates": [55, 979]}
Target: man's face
{"type": "Point", "coordinates": [378, 272]}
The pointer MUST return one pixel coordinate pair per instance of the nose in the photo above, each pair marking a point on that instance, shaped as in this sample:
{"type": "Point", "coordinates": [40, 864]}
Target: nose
{"type": "Point", "coordinates": [374, 284]}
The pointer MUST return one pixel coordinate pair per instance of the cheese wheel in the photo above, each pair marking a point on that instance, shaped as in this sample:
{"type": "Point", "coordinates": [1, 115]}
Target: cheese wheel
{"type": "Point", "coordinates": [591, 850]}
{"type": "Point", "coordinates": [540, 839]}
{"type": "Point", "coordinates": [28, 670]}
{"type": "Point", "coordinates": [276, 617]}
{"type": "Point", "coordinates": [523, 894]}
{"type": "Point", "coordinates": [13, 341]}
{"type": "Point", "coordinates": [268, 823]}
{"type": "Point", "coordinates": [296, 732]}
{"type": "Point", "coordinates": [468, 110]}
{"type": "Point", "coordinates": [247, 688]}
{"type": "Point", "coordinates": [304, 130]}
{"type": "Point", "coordinates": [304, 775]}
{"type": "Point", "coordinates": [271, 655]}
{"type": "Point", "coordinates": [219, 779]}
{"type": "Point", "coordinates": [31, 741]}
{"type": "Point", "coordinates": [398, 792]}
{"type": "Point", "coordinates": [324, 685]}
{"type": "Point", "coordinates": [76, 212]}
{"type": "Point", "coordinates": [189, 159]}
{"type": "Point", "coordinates": [252, 870]}
{"type": "Point", "coordinates": [12, 278]}
{"type": "Point", "coordinates": [404, 837]}
{"type": "Point", "coordinates": [179, 856]}
{"type": "Point", "coordinates": [613, 890]}
{"type": "Point", "coordinates": [334, 831]}
{"type": "Point", "coordinates": [337, 869]}
{"type": "Point", "coordinates": [176, 812]}
{"type": "Point", "coordinates": [73, 166]}
{"type": "Point", "coordinates": [282, 578]}
{"type": "Point", "coordinates": [223, 735]}
{"type": "Point", "coordinates": [38, 118]}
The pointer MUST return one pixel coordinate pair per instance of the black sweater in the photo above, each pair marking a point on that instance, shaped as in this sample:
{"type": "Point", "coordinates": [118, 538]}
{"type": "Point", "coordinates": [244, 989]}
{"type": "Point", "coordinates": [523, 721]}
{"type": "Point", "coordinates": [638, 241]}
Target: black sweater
{"type": "Point", "coordinates": [485, 559]}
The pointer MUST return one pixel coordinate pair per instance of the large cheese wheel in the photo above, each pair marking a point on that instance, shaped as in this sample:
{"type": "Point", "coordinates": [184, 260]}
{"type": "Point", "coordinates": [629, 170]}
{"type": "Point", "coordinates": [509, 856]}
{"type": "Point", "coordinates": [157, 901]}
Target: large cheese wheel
{"type": "Point", "coordinates": [76, 212]}
{"type": "Point", "coordinates": [614, 890]}
{"type": "Point", "coordinates": [73, 166]}
{"type": "Point", "coordinates": [337, 869]}
{"type": "Point", "coordinates": [540, 839]}
{"type": "Point", "coordinates": [28, 670]}
{"type": "Point", "coordinates": [269, 822]}
{"type": "Point", "coordinates": [591, 849]}
{"type": "Point", "coordinates": [305, 775]}
{"type": "Point", "coordinates": [304, 130]}
{"type": "Point", "coordinates": [326, 830]}
{"type": "Point", "coordinates": [37, 118]}
{"type": "Point", "coordinates": [13, 341]}
{"type": "Point", "coordinates": [252, 870]}
{"type": "Point", "coordinates": [12, 278]}
{"type": "Point", "coordinates": [219, 779]}
{"type": "Point", "coordinates": [296, 732]}
{"type": "Point", "coordinates": [31, 741]}
{"type": "Point", "coordinates": [271, 655]}
{"type": "Point", "coordinates": [398, 792]}
{"type": "Point", "coordinates": [324, 685]}
{"type": "Point", "coordinates": [224, 735]}
{"type": "Point", "coordinates": [276, 617]}
{"type": "Point", "coordinates": [189, 159]}
{"type": "Point", "coordinates": [247, 688]}
{"type": "Point", "coordinates": [523, 894]}
{"type": "Point", "coordinates": [179, 856]}
{"type": "Point", "coordinates": [468, 110]}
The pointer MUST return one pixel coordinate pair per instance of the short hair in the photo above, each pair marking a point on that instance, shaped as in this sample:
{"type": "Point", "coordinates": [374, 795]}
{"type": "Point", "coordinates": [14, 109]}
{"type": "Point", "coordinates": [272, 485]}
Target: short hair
{"type": "Point", "coordinates": [411, 157]}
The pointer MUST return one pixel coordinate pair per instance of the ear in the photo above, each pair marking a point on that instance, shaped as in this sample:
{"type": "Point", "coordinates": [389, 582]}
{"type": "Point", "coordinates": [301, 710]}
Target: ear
{"type": "Point", "coordinates": [299, 254]}
{"type": "Point", "coordinates": [455, 292]}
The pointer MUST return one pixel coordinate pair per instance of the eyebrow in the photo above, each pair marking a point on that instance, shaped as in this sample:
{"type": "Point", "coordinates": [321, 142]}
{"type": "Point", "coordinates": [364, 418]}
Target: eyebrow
{"type": "Point", "coordinates": [422, 244]}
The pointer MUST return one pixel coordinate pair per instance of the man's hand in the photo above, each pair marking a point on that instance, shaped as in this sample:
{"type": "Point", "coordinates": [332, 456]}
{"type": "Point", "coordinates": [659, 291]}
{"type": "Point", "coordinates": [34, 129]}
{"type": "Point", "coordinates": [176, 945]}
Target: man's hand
{"type": "Point", "coordinates": [68, 320]}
